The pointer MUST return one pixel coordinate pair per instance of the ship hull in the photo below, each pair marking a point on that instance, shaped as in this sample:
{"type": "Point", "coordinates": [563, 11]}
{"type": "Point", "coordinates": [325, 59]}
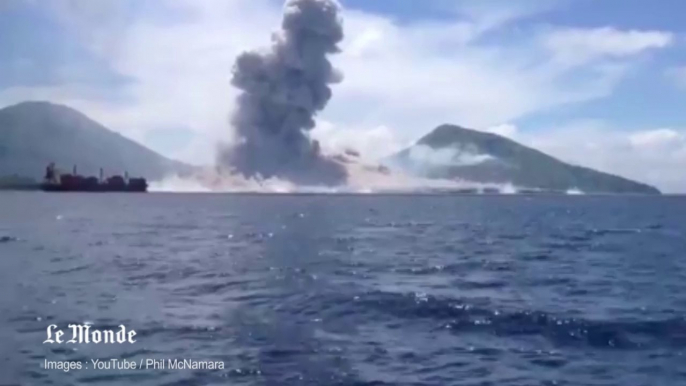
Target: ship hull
{"type": "Point", "coordinates": [92, 189]}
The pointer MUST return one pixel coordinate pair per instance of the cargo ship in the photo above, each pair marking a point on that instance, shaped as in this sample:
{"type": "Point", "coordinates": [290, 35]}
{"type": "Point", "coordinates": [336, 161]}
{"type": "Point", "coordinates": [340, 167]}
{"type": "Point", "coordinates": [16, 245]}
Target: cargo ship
{"type": "Point", "coordinates": [57, 182]}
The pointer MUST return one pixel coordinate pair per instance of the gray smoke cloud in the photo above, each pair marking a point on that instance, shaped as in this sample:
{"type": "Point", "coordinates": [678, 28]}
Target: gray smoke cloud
{"type": "Point", "coordinates": [282, 90]}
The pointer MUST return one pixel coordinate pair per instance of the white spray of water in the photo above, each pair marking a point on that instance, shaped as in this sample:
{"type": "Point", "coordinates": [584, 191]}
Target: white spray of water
{"type": "Point", "coordinates": [575, 192]}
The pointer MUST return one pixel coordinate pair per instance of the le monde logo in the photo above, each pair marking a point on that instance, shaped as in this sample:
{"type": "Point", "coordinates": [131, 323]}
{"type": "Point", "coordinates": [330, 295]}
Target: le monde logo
{"type": "Point", "coordinates": [82, 333]}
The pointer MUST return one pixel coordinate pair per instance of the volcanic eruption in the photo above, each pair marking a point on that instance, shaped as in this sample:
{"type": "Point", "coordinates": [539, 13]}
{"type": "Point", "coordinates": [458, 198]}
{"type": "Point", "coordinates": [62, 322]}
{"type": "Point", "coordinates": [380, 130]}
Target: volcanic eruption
{"type": "Point", "coordinates": [281, 91]}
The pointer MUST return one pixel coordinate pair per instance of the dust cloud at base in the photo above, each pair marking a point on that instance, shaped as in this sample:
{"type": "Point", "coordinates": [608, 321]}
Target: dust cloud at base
{"type": "Point", "coordinates": [362, 179]}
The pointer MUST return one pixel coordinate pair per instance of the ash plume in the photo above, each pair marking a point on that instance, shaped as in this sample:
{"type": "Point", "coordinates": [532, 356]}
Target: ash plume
{"type": "Point", "coordinates": [282, 90]}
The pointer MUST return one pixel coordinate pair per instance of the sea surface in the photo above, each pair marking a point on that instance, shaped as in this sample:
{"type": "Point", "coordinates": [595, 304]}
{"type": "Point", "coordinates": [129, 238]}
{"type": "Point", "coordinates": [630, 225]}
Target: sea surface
{"type": "Point", "coordinates": [348, 290]}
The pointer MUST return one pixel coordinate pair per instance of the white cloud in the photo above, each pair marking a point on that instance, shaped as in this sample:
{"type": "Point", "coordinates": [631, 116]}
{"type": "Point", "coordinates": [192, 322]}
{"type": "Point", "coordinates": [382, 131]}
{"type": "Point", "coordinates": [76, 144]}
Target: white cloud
{"type": "Point", "coordinates": [181, 70]}
{"type": "Point", "coordinates": [417, 76]}
{"type": "Point", "coordinates": [372, 144]}
{"type": "Point", "coordinates": [657, 139]}
{"type": "Point", "coordinates": [427, 156]}
{"type": "Point", "coordinates": [490, 14]}
{"type": "Point", "coordinates": [506, 130]}
{"type": "Point", "coordinates": [653, 156]}
{"type": "Point", "coordinates": [401, 80]}
{"type": "Point", "coordinates": [576, 45]}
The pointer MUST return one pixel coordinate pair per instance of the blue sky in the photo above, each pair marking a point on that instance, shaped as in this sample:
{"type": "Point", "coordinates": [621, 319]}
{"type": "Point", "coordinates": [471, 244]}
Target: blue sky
{"type": "Point", "coordinates": [600, 83]}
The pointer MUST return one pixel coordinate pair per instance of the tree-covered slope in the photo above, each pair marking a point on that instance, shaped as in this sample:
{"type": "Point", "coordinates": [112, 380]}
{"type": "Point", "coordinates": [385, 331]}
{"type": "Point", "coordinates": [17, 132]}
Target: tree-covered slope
{"type": "Point", "coordinates": [458, 153]}
{"type": "Point", "coordinates": [33, 134]}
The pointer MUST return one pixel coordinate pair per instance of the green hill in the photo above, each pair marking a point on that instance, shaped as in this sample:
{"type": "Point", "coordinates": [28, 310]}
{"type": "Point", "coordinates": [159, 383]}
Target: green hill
{"type": "Point", "coordinates": [33, 134]}
{"type": "Point", "coordinates": [454, 152]}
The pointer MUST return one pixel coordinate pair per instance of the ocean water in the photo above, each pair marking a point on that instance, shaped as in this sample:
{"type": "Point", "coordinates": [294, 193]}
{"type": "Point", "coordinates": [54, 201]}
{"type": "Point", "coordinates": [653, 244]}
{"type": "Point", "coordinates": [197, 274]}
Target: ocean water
{"type": "Point", "coordinates": [348, 290]}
